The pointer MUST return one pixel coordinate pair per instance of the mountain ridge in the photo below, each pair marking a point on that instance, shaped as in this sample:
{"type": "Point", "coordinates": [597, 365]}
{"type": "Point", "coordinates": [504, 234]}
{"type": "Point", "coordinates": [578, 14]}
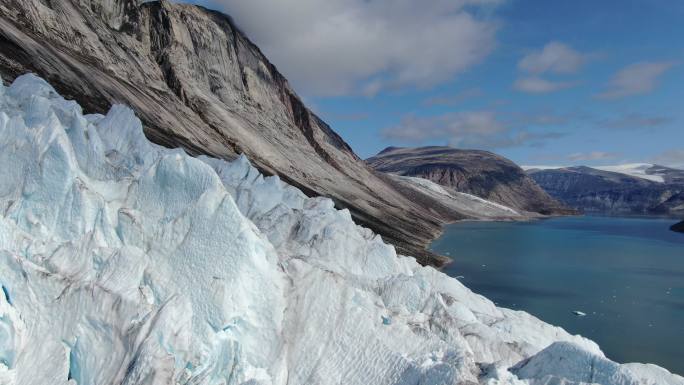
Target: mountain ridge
{"type": "Point", "coordinates": [597, 190]}
{"type": "Point", "coordinates": [477, 172]}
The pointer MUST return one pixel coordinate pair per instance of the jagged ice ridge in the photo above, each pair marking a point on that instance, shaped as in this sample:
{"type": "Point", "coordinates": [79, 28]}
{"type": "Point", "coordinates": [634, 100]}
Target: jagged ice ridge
{"type": "Point", "coordinates": [123, 262]}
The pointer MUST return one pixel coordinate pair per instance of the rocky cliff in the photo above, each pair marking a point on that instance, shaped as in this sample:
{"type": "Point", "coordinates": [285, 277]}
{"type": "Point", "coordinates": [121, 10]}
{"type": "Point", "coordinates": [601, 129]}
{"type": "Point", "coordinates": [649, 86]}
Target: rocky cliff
{"type": "Point", "coordinates": [593, 190]}
{"type": "Point", "coordinates": [678, 227]}
{"type": "Point", "coordinates": [198, 83]}
{"type": "Point", "coordinates": [480, 173]}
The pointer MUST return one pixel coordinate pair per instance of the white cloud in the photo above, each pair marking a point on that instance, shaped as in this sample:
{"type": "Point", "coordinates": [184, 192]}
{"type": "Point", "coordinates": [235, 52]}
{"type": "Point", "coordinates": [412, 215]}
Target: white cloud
{"type": "Point", "coordinates": [673, 158]}
{"type": "Point", "coordinates": [454, 125]}
{"type": "Point", "coordinates": [636, 79]}
{"type": "Point", "coordinates": [336, 47]}
{"type": "Point", "coordinates": [537, 85]}
{"type": "Point", "coordinates": [589, 156]}
{"type": "Point", "coordinates": [469, 129]}
{"type": "Point", "coordinates": [454, 100]}
{"type": "Point", "coordinates": [637, 121]}
{"type": "Point", "coordinates": [555, 57]}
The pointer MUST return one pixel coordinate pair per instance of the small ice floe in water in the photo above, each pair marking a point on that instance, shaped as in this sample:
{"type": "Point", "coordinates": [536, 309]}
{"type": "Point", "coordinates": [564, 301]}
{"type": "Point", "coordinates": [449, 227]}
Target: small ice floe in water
{"type": "Point", "coordinates": [579, 313]}
{"type": "Point", "coordinates": [386, 320]}
{"type": "Point", "coordinates": [484, 265]}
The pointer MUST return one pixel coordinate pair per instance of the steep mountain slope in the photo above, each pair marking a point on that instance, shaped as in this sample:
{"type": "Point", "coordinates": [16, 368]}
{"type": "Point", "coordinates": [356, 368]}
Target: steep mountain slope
{"type": "Point", "coordinates": [674, 205]}
{"type": "Point", "coordinates": [593, 190]}
{"type": "Point", "coordinates": [461, 204]}
{"type": "Point", "coordinates": [475, 172]}
{"type": "Point", "coordinates": [198, 83]}
{"type": "Point", "coordinates": [127, 263]}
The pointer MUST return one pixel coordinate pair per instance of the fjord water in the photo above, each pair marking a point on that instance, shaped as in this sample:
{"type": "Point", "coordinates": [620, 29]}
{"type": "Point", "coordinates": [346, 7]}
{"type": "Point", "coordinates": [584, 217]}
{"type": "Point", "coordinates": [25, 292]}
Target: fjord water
{"type": "Point", "coordinates": [626, 274]}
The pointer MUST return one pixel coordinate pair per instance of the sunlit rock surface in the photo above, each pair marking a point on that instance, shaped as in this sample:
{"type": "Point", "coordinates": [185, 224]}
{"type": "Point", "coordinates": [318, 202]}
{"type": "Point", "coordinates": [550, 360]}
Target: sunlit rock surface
{"type": "Point", "coordinates": [476, 172]}
{"type": "Point", "coordinates": [122, 262]}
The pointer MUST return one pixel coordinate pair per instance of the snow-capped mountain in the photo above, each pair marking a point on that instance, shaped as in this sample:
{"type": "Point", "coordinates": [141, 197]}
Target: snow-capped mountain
{"type": "Point", "coordinates": [639, 170]}
{"type": "Point", "coordinates": [626, 189]}
{"type": "Point", "coordinates": [123, 262]}
{"type": "Point", "coordinates": [648, 171]}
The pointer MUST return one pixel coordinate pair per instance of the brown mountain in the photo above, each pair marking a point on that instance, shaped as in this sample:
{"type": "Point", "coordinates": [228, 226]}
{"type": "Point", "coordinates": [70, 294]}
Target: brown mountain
{"type": "Point", "coordinates": [476, 172]}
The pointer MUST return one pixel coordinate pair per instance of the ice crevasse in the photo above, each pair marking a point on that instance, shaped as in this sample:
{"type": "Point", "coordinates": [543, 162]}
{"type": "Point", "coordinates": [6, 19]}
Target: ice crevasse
{"type": "Point", "coordinates": [123, 262]}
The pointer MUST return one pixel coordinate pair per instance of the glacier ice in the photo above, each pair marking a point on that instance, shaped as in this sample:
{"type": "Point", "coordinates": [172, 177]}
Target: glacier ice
{"type": "Point", "coordinates": [122, 262]}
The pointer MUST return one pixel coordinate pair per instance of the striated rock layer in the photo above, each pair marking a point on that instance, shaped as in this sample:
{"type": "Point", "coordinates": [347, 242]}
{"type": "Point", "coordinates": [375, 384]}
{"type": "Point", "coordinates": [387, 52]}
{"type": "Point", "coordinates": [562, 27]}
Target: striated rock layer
{"type": "Point", "coordinates": [123, 262]}
{"type": "Point", "coordinates": [198, 83]}
{"type": "Point", "coordinates": [480, 173]}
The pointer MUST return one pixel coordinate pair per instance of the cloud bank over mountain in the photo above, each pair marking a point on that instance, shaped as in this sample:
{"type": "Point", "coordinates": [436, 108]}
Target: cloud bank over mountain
{"type": "Point", "coordinates": [338, 47]}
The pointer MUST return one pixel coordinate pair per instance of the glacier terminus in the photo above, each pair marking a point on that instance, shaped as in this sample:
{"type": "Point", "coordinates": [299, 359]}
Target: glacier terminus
{"type": "Point", "coordinates": [123, 262]}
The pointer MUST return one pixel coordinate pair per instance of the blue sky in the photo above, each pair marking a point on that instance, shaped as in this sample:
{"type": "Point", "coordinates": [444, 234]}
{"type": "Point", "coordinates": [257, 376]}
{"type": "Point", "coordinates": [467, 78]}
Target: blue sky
{"type": "Point", "coordinates": [538, 81]}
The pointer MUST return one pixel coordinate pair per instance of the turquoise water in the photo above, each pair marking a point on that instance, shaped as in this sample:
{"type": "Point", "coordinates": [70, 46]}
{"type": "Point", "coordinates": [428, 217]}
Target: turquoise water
{"type": "Point", "coordinates": [627, 274]}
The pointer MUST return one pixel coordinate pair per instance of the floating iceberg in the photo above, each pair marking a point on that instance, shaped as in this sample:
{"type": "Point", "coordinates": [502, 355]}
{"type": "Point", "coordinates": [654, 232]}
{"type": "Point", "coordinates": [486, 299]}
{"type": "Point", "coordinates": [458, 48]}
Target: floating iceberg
{"type": "Point", "coordinates": [123, 262]}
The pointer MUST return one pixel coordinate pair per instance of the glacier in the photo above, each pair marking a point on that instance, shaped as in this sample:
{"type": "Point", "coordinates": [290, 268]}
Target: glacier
{"type": "Point", "coordinates": [123, 262]}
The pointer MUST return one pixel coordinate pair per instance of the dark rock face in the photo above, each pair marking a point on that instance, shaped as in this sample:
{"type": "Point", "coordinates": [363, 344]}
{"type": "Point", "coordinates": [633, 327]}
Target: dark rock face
{"type": "Point", "coordinates": [480, 173]}
{"type": "Point", "coordinates": [679, 227]}
{"type": "Point", "coordinates": [593, 190]}
{"type": "Point", "coordinates": [198, 83]}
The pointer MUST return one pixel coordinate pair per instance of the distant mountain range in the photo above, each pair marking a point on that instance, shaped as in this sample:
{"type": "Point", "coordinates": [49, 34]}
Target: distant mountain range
{"type": "Point", "coordinates": [640, 189]}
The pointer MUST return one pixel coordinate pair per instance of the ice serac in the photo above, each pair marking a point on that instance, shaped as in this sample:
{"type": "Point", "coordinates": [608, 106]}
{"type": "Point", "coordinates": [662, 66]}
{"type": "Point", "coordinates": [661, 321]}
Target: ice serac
{"type": "Point", "coordinates": [123, 262]}
{"type": "Point", "coordinates": [197, 82]}
{"type": "Point", "coordinates": [476, 172]}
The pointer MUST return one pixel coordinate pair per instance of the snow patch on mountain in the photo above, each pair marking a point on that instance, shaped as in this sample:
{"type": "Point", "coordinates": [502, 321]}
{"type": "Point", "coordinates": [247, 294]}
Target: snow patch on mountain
{"type": "Point", "coordinates": [638, 170]}
{"type": "Point", "coordinates": [122, 262]}
{"type": "Point", "coordinates": [467, 204]}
